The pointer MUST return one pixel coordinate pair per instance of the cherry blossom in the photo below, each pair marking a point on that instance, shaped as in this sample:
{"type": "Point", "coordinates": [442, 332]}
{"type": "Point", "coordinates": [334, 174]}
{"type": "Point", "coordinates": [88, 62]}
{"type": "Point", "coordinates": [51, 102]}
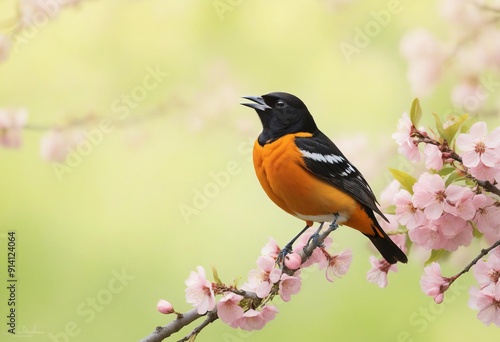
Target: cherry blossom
{"type": "Point", "coordinates": [5, 46]}
{"type": "Point", "coordinates": [478, 147]}
{"type": "Point", "coordinates": [254, 319]}
{"type": "Point", "coordinates": [487, 273]}
{"type": "Point", "coordinates": [261, 280]}
{"type": "Point", "coordinates": [293, 261]}
{"type": "Point", "coordinates": [199, 291]}
{"type": "Point", "coordinates": [406, 145]}
{"type": "Point", "coordinates": [433, 283]}
{"type": "Point", "coordinates": [378, 273]}
{"type": "Point", "coordinates": [487, 218]}
{"type": "Point", "coordinates": [338, 265]}
{"type": "Point", "coordinates": [487, 301]}
{"type": "Point", "coordinates": [433, 157]}
{"type": "Point", "coordinates": [289, 285]}
{"type": "Point", "coordinates": [431, 195]}
{"type": "Point", "coordinates": [165, 307]}
{"type": "Point", "coordinates": [12, 121]}
{"type": "Point", "coordinates": [407, 213]}
{"type": "Point", "coordinates": [228, 308]}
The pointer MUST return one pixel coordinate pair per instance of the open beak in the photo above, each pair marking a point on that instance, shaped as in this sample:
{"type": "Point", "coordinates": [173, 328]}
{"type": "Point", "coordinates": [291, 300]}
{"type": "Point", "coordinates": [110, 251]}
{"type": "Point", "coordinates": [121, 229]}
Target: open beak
{"type": "Point", "coordinates": [258, 105]}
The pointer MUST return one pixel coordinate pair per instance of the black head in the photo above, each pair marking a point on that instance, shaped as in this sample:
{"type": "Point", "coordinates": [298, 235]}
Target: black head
{"type": "Point", "coordinates": [281, 114]}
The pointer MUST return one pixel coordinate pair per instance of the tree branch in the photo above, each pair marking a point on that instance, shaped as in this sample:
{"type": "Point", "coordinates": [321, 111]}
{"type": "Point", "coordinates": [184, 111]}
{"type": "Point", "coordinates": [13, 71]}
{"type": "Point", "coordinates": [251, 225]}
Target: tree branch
{"type": "Point", "coordinates": [483, 253]}
{"type": "Point", "coordinates": [180, 322]}
{"type": "Point", "coordinates": [187, 318]}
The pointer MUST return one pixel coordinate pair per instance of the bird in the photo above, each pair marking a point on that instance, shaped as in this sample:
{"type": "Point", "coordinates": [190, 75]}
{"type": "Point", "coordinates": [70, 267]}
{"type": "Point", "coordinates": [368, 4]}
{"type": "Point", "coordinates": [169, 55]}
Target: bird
{"type": "Point", "coordinates": [304, 173]}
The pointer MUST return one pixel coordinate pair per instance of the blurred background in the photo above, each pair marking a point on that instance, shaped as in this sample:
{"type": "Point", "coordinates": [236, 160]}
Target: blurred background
{"type": "Point", "coordinates": [135, 160]}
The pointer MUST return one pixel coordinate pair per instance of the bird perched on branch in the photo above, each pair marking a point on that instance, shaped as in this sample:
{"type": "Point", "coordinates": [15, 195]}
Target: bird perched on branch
{"type": "Point", "coordinates": [305, 174]}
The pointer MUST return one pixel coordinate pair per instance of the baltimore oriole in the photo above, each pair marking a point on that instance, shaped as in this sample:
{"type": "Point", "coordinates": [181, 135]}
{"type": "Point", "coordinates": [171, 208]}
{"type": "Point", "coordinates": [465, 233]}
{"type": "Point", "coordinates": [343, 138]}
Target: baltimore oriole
{"type": "Point", "coordinates": [306, 175]}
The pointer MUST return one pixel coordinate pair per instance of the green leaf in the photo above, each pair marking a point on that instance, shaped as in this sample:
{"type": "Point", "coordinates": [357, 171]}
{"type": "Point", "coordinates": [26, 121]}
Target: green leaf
{"type": "Point", "coordinates": [415, 112]}
{"type": "Point", "coordinates": [216, 276]}
{"type": "Point", "coordinates": [453, 177]}
{"type": "Point", "coordinates": [391, 210]}
{"type": "Point", "coordinates": [404, 179]}
{"type": "Point", "coordinates": [439, 125]}
{"type": "Point", "coordinates": [445, 171]}
{"type": "Point", "coordinates": [451, 131]}
{"type": "Point", "coordinates": [436, 254]}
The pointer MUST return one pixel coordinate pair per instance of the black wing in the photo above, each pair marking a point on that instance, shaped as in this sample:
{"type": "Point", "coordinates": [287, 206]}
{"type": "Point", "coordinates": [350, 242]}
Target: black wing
{"type": "Point", "coordinates": [324, 159]}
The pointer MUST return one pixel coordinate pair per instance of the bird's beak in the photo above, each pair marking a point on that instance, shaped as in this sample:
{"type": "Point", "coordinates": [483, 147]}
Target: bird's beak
{"type": "Point", "coordinates": [258, 105]}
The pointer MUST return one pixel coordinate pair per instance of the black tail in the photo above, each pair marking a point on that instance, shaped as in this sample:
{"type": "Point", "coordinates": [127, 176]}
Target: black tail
{"type": "Point", "coordinates": [387, 247]}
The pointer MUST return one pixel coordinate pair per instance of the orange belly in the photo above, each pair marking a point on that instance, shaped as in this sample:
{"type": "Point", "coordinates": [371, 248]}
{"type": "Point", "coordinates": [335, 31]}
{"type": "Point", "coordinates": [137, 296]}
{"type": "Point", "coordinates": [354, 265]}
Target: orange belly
{"type": "Point", "coordinates": [283, 176]}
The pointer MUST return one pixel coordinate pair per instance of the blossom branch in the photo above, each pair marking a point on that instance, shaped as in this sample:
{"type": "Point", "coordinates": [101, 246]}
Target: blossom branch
{"type": "Point", "coordinates": [449, 153]}
{"type": "Point", "coordinates": [249, 300]}
{"type": "Point", "coordinates": [482, 254]}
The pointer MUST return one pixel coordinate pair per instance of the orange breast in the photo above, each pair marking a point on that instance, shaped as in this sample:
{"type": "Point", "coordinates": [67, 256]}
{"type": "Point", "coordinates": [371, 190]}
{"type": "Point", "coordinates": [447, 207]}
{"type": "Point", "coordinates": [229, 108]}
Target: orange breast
{"type": "Point", "coordinates": [283, 176]}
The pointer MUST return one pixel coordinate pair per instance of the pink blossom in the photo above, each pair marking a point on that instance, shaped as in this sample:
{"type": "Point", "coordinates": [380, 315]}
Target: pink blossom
{"type": "Point", "coordinates": [37, 11]}
{"type": "Point", "coordinates": [487, 273]}
{"type": "Point", "coordinates": [378, 273]}
{"type": "Point", "coordinates": [387, 195]}
{"type": "Point", "coordinates": [199, 291]}
{"type": "Point", "coordinates": [254, 319]}
{"type": "Point", "coordinates": [448, 232]}
{"type": "Point", "coordinates": [431, 195]}
{"type": "Point", "coordinates": [487, 218]}
{"type": "Point", "coordinates": [12, 122]}
{"type": "Point", "coordinates": [271, 249]}
{"type": "Point", "coordinates": [57, 143]}
{"type": "Point", "coordinates": [467, 94]}
{"type": "Point", "coordinates": [407, 214]}
{"type": "Point", "coordinates": [289, 285]}
{"type": "Point", "coordinates": [261, 280]}
{"type": "Point", "coordinates": [317, 255]}
{"type": "Point", "coordinates": [5, 46]}
{"type": "Point", "coordinates": [433, 283]}
{"type": "Point", "coordinates": [478, 147]}
{"type": "Point", "coordinates": [165, 307]}
{"type": "Point", "coordinates": [425, 55]}
{"type": "Point", "coordinates": [228, 308]}
{"type": "Point", "coordinates": [433, 157]}
{"type": "Point", "coordinates": [406, 145]}
{"type": "Point", "coordinates": [338, 265]}
{"type": "Point", "coordinates": [484, 172]}
{"type": "Point", "coordinates": [465, 15]}
{"type": "Point", "coordinates": [293, 261]}
{"type": "Point", "coordinates": [464, 206]}
{"type": "Point", "coordinates": [455, 231]}
{"type": "Point", "coordinates": [487, 301]}
{"type": "Point", "coordinates": [427, 235]}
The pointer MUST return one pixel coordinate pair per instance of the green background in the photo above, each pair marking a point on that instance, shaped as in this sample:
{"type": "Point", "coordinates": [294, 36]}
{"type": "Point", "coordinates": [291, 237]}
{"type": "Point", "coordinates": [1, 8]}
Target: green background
{"type": "Point", "coordinates": [118, 208]}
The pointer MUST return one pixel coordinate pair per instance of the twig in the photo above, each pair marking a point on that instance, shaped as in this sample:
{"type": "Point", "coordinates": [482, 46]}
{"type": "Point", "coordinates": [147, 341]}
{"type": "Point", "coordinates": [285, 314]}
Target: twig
{"type": "Point", "coordinates": [483, 253]}
{"type": "Point", "coordinates": [180, 322]}
{"type": "Point", "coordinates": [211, 317]}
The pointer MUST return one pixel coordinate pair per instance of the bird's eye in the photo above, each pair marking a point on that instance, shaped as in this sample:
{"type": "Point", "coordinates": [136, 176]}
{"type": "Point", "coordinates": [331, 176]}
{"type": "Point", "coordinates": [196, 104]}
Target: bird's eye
{"type": "Point", "coordinates": [280, 104]}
